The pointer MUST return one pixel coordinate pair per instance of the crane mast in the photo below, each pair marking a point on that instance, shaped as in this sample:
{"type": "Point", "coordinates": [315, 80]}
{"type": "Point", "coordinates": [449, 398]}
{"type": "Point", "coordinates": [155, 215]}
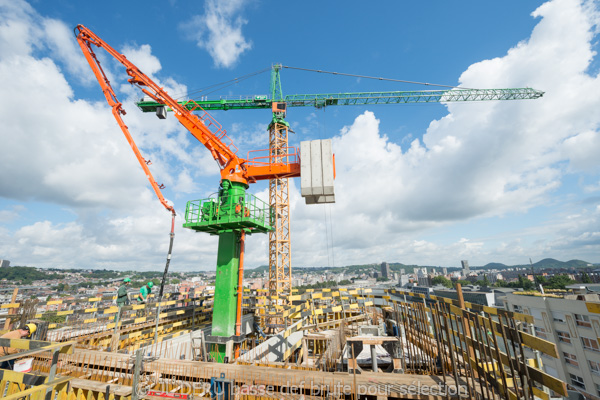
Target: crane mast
{"type": "Point", "coordinates": [280, 249]}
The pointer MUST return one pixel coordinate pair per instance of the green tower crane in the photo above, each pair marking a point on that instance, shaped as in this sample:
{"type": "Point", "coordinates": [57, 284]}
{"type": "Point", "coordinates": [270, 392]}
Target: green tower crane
{"type": "Point", "coordinates": [321, 100]}
{"type": "Point", "coordinates": [279, 237]}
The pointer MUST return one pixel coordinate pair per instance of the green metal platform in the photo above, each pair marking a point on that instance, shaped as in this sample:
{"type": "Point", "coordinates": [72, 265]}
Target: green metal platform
{"type": "Point", "coordinates": [225, 213]}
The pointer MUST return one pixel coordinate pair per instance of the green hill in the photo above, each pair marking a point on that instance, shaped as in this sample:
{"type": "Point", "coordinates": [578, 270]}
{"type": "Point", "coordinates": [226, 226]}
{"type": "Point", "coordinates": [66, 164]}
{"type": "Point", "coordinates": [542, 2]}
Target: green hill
{"type": "Point", "coordinates": [494, 265]}
{"type": "Point", "coordinates": [26, 275]}
{"type": "Point", "coordinates": [552, 263]}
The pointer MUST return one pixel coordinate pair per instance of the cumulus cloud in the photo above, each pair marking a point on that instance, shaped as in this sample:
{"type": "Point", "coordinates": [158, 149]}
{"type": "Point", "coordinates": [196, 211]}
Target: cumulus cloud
{"type": "Point", "coordinates": [488, 160]}
{"type": "Point", "coordinates": [60, 40]}
{"type": "Point", "coordinates": [219, 31]}
{"type": "Point", "coordinates": [131, 242]}
{"type": "Point", "coordinates": [143, 58]}
{"type": "Point", "coordinates": [58, 149]}
{"type": "Point", "coordinates": [582, 151]}
{"type": "Point", "coordinates": [15, 29]}
{"type": "Point", "coordinates": [11, 213]}
{"type": "Point", "coordinates": [70, 155]}
{"type": "Point", "coordinates": [482, 161]}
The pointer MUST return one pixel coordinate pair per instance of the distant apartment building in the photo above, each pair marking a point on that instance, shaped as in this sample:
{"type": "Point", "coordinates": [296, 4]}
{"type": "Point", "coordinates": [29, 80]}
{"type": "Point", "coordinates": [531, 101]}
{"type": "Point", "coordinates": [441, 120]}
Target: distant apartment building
{"type": "Point", "coordinates": [423, 279]}
{"type": "Point", "coordinates": [490, 297]}
{"type": "Point", "coordinates": [575, 330]}
{"type": "Point", "coordinates": [492, 277]}
{"type": "Point", "coordinates": [403, 280]}
{"type": "Point", "coordinates": [4, 263]}
{"type": "Point", "coordinates": [295, 282]}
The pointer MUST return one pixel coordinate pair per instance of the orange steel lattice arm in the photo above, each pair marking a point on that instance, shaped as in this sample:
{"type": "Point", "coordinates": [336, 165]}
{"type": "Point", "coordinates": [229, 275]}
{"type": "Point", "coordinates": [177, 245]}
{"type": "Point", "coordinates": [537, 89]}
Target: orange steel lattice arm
{"type": "Point", "coordinates": [204, 128]}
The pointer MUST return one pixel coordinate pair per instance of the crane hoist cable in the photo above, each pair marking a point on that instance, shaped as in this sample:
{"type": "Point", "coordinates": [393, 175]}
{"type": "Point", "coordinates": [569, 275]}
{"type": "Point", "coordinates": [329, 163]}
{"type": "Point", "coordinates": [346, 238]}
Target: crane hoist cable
{"type": "Point", "coordinates": [373, 77]}
{"type": "Point", "coordinates": [221, 85]}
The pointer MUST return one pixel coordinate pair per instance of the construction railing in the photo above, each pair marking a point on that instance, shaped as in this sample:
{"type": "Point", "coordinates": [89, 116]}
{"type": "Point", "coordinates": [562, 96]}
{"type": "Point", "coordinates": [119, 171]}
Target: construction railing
{"type": "Point", "coordinates": [482, 349]}
{"type": "Point", "coordinates": [18, 385]}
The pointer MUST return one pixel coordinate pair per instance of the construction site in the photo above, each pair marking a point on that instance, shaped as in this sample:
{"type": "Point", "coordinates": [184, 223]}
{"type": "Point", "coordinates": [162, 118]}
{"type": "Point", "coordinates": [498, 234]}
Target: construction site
{"type": "Point", "coordinates": [278, 343]}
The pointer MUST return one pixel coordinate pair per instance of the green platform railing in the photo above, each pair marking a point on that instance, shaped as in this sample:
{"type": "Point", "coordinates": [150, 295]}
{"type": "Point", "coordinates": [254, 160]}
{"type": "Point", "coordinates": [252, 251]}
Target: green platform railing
{"type": "Point", "coordinates": [227, 213]}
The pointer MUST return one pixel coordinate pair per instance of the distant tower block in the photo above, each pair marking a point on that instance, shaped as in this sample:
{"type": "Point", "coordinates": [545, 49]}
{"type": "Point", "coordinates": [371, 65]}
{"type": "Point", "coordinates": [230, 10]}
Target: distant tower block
{"type": "Point", "coordinates": [317, 171]}
{"type": "Point", "coordinates": [385, 270]}
{"type": "Point", "coordinates": [465, 267]}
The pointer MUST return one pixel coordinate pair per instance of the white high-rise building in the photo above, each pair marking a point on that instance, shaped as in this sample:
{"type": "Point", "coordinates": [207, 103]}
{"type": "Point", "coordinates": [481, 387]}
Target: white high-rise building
{"type": "Point", "coordinates": [465, 268]}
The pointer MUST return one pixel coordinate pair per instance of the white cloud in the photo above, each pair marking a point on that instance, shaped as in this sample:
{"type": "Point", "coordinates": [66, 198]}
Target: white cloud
{"type": "Point", "coordinates": [60, 40]}
{"type": "Point", "coordinates": [70, 153]}
{"type": "Point", "coordinates": [134, 242]}
{"type": "Point", "coordinates": [16, 19]}
{"type": "Point", "coordinates": [582, 151]}
{"type": "Point", "coordinates": [56, 149]}
{"type": "Point", "coordinates": [219, 31]}
{"type": "Point", "coordinates": [143, 58]}
{"type": "Point", "coordinates": [481, 160]}
{"type": "Point", "coordinates": [247, 138]}
{"type": "Point", "coordinates": [185, 183]}
{"type": "Point", "coordinates": [592, 188]}
{"type": "Point", "coordinates": [11, 213]}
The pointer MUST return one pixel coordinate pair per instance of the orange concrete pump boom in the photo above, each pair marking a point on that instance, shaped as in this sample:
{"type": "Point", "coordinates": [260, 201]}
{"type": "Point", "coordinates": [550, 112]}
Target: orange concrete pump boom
{"type": "Point", "coordinates": [203, 127]}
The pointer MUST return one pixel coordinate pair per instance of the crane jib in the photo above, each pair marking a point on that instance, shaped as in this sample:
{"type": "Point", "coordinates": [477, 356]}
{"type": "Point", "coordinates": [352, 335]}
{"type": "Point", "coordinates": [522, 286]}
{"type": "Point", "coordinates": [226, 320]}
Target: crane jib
{"type": "Point", "coordinates": [359, 98]}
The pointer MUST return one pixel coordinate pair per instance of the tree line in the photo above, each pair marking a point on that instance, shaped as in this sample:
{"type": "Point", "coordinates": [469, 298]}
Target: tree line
{"type": "Point", "coordinates": [26, 275]}
{"type": "Point", "coordinates": [559, 281]}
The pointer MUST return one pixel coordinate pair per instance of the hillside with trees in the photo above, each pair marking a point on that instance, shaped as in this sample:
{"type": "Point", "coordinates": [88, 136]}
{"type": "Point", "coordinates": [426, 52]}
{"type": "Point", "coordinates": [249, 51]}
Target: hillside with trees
{"type": "Point", "coordinates": [26, 275]}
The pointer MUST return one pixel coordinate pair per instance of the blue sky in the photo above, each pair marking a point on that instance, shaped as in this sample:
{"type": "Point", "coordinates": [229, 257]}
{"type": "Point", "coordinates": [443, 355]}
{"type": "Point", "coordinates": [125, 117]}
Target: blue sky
{"type": "Point", "coordinates": [426, 184]}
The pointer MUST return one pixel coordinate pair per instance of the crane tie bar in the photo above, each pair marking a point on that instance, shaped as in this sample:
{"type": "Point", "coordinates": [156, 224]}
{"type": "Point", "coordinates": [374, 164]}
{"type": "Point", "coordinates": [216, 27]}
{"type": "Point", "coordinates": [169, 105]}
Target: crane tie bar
{"type": "Point", "coordinates": [373, 77]}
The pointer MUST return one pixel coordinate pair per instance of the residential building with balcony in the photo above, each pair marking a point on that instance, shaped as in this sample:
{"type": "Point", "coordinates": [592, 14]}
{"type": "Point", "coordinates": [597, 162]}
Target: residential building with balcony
{"type": "Point", "coordinates": [569, 321]}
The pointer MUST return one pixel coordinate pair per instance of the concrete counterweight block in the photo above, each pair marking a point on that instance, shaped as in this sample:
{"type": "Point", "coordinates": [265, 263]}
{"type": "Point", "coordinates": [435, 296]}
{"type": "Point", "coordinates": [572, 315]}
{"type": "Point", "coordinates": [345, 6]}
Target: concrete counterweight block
{"type": "Point", "coordinates": [317, 171]}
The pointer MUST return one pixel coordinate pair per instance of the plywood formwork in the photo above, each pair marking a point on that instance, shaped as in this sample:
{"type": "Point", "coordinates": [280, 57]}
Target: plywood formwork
{"type": "Point", "coordinates": [435, 342]}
